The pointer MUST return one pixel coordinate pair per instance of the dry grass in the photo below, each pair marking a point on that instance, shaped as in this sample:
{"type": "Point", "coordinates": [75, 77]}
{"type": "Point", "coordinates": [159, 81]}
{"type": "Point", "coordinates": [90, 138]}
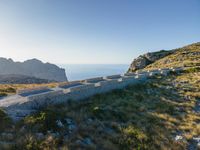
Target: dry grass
{"type": "Point", "coordinates": [144, 116]}
{"type": "Point", "coordinates": [9, 89]}
{"type": "Point", "coordinates": [182, 57]}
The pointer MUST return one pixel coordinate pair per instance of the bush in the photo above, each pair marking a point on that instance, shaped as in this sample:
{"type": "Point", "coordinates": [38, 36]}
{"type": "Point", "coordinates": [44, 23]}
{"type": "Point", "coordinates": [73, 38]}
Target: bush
{"type": "Point", "coordinates": [192, 70]}
{"type": "Point", "coordinates": [8, 90]}
{"type": "Point", "coordinates": [5, 121]}
{"type": "Point", "coordinates": [3, 94]}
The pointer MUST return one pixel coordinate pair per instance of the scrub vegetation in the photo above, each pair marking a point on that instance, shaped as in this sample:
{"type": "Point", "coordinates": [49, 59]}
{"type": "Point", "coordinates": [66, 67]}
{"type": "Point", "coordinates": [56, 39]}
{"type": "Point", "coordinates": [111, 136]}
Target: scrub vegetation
{"type": "Point", "coordinates": [150, 115]}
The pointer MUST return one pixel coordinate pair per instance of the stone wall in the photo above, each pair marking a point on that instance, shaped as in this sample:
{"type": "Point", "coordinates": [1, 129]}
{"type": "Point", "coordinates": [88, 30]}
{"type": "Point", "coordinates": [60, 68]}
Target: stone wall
{"type": "Point", "coordinates": [76, 90]}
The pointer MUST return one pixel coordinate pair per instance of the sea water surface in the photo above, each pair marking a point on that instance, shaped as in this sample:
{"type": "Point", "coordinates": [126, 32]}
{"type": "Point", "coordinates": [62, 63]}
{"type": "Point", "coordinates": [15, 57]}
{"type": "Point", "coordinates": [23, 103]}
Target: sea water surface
{"type": "Point", "coordinates": [84, 71]}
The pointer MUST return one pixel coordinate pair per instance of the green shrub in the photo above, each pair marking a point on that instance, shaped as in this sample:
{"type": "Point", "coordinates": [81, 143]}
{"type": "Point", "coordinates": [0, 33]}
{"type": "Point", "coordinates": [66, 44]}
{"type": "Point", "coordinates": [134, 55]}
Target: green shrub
{"type": "Point", "coordinates": [45, 120]}
{"type": "Point", "coordinates": [192, 70]}
{"type": "Point", "coordinates": [3, 94]}
{"type": "Point", "coordinates": [132, 138]}
{"type": "Point", "coordinates": [8, 90]}
{"type": "Point", "coordinates": [5, 121]}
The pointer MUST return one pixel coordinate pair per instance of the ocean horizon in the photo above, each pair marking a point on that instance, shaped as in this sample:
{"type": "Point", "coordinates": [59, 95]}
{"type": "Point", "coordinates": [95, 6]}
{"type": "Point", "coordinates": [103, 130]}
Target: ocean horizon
{"type": "Point", "coordinates": [85, 71]}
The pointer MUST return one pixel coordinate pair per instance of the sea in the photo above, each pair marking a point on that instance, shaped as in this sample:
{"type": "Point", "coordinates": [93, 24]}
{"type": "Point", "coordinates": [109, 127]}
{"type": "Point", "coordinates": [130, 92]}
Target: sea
{"type": "Point", "coordinates": [85, 71]}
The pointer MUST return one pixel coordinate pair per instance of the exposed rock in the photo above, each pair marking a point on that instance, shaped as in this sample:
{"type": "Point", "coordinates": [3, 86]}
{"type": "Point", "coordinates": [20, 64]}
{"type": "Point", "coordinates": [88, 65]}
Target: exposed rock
{"type": "Point", "coordinates": [146, 59]}
{"type": "Point", "coordinates": [69, 121]}
{"type": "Point", "coordinates": [32, 68]}
{"type": "Point", "coordinates": [187, 56]}
{"type": "Point", "coordinates": [197, 107]}
{"type": "Point", "coordinates": [178, 138]}
{"type": "Point", "coordinates": [40, 136]}
{"type": "Point", "coordinates": [70, 124]}
{"type": "Point", "coordinates": [87, 141]}
{"type": "Point", "coordinates": [59, 124]}
{"type": "Point", "coordinates": [194, 143]}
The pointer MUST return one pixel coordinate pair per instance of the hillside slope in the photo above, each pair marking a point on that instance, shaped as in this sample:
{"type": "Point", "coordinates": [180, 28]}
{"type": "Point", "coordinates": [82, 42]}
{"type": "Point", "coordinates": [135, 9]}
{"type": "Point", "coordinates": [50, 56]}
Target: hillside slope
{"type": "Point", "coordinates": [21, 79]}
{"type": "Point", "coordinates": [181, 57]}
{"type": "Point", "coordinates": [163, 113]}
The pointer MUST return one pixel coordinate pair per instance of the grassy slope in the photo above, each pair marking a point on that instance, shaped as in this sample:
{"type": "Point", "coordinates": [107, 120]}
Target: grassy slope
{"type": "Point", "coordinates": [9, 89]}
{"type": "Point", "coordinates": [144, 116]}
{"type": "Point", "coordinates": [181, 57]}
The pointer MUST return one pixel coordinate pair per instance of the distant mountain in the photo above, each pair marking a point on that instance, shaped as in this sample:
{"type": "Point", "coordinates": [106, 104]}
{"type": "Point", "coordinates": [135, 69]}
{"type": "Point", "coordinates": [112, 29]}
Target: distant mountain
{"type": "Point", "coordinates": [187, 56]}
{"type": "Point", "coordinates": [32, 68]}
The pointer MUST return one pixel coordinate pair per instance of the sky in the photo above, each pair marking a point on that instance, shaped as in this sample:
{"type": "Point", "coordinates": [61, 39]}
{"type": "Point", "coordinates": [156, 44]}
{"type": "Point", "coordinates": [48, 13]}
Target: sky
{"type": "Point", "coordinates": [95, 31]}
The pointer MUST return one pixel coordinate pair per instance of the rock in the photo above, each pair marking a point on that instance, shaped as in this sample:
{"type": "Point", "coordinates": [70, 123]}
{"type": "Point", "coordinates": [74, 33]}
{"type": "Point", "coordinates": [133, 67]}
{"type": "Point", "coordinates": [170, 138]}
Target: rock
{"type": "Point", "coordinates": [71, 124]}
{"type": "Point", "coordinates": [87, 141]}
{"type": "Point", "coordinates": [72, 127]}
{"type": "Point", "coordinates": [194, 143]}
{"type": "Point", "coordinates": [178, 138]}
{"type": "Point", "coordinates": [69, 121]}
{"type": "Point", "coordinates": [197, 107]}
{"type": "Point", "coordinates": [79, 142]}
{"type": "Point", "coordinates": [197, 140]}
{"type": "Point", "coordinates": [143, 60]}
{"type": "Point", "coordinates": [59, 124]}
{"type": "Point", "coordinates": [32, 68]}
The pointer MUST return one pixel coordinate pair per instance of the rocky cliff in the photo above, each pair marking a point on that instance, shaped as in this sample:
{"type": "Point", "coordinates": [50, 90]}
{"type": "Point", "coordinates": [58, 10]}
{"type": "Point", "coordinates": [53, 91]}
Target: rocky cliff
{"type": "Point", "coordinates": [181, 57]}
{"type": "Point", "coordinates": [143, 60]}
{"type": "Point", "coordinates": [32, 68]}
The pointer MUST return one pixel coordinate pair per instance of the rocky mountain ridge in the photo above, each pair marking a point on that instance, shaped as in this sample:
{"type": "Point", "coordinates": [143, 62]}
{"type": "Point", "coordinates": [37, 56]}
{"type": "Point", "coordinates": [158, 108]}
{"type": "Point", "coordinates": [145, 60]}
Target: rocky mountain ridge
{"type": "Point", "coordinates": [143, 60]}
{"type": "Point", "coordinates": [186, 56]}
{"type": "Point", "coordinates": [32, 68]}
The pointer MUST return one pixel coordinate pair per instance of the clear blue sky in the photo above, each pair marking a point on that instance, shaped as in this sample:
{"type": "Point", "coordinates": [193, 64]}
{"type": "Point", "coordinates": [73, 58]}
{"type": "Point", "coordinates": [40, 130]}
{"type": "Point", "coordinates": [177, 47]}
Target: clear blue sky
{"type": "Point", "coordinates": [95, 31]}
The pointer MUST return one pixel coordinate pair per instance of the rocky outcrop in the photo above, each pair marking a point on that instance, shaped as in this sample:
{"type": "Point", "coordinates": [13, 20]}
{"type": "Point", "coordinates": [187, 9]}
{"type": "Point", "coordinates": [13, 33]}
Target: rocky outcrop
{"type": "Point", "coordinates": [143, 60]}
{"type": "Point", "coordinates": [33, 68]}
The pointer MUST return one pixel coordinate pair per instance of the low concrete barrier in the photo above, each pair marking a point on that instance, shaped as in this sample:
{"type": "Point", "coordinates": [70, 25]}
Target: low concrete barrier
{"type": "Point", "coordinates": [155, 72]}
{"type": "Point", "coordinates": [23, 91]}
{"type": "Point", "coordinates": [113, 76]}
{"type": "Point", "coordinates": [81, 87]}
{"type": "Point", "coordinates": [76, 90]}
{"type": "Point", "coordinates": [130, 74]}
{"type": "Point", "coordinates": [94, 80]}
{"type": "Point", "coordinates": [70, 84]}
{"type": "Point", "coordinates": [44, 99]}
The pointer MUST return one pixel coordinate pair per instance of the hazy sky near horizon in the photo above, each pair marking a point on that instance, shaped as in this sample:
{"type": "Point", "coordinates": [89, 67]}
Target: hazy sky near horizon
{"type": "Point", "coordinates": [95, 31]}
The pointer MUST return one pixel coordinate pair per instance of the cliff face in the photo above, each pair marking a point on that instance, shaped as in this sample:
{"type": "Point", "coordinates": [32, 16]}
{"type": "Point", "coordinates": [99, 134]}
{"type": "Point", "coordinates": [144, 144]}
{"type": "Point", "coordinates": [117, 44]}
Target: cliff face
{"type": "Point", "coordinates": [32, 68]}
{"type": "Point", "coordinates": [146, 59]}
